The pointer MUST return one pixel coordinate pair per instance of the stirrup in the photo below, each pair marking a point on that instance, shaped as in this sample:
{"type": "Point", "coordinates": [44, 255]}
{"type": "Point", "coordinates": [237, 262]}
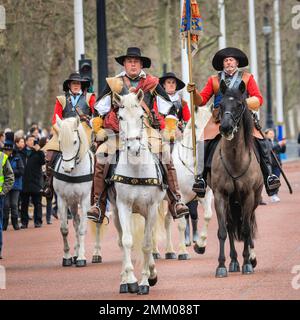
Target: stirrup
{"type": "Point", "coordinates": [274, 183]}
{"type": "Point", "coordinates": [100, 219]}
{"type": "Point", "coordinates": [182, 214]}
{"type": "Point", "coordinates": [199, 187]}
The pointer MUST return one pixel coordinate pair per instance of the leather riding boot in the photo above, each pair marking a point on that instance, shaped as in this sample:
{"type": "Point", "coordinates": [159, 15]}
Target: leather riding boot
{"type": "Point", "coordinates": [272, 182]}
{"type": "Point", "coordinates": [177, 208]}
{"type": "Point", "coordinates": [50, 158]}
{"type": "Point", "coordinates": [97, 210]}
{"type": "Point", "coordinates": [199, 187]}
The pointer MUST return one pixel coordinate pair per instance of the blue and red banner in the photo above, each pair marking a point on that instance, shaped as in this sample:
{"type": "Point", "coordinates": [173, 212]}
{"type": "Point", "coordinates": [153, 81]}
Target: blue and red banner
{"type": "Point", "coordinates": [191, 21]}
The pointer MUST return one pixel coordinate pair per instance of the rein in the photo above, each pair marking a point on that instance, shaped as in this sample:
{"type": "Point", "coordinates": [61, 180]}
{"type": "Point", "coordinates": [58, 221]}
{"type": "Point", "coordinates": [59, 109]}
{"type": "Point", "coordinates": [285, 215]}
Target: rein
{"type": "Point", "coordinates": [76, 155]}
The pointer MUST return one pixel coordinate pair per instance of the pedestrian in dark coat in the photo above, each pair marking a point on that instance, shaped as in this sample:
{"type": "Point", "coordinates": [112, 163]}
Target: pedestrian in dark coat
{"type": "Point", "coordinates": [32, 182]}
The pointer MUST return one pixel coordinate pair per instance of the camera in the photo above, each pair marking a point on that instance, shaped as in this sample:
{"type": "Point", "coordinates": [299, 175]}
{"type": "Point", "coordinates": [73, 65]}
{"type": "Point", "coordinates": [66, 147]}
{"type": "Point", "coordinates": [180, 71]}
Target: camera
{"type": "Point", "coordinates": [36, 141]}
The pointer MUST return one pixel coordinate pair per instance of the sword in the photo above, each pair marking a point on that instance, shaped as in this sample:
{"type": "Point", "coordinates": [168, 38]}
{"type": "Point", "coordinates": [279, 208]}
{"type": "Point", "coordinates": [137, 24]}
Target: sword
{"type": "Point", "coordinates": [258, 127]}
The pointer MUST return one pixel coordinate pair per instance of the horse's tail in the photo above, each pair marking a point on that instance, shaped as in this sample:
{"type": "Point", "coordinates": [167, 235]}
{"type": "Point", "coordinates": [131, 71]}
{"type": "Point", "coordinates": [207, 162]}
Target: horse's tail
{"type": "Point", "coordinates": [237, 226]}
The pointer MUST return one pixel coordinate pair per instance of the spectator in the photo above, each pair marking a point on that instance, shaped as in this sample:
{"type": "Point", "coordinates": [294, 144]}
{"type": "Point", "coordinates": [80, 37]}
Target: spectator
{"type": "Point", "coordinates": [2, 138]}
{"type": "Point", "coordinates": [32, 182]}
{"type": "Point", "coordinates": [278, 147]}
{"type": "Point", "coordinates": [12, 197]}
{"type": "Point", "coordinates": [6, 183]}
{"type": "Point", "coordinates": [299, 143]}
{"type": "Point", "coordinates": [49, 210]}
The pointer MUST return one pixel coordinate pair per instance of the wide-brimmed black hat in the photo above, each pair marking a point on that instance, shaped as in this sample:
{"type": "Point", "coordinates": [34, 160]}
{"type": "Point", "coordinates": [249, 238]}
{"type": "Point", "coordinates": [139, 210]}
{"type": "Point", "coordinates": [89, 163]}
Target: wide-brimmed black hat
{"type": "Point", "coordinates": [9, 141]}
{"type": "Point", "coordinates": [134, 53]}
{"type": "Point", "coordinates": [238, 54]}
{"type": "Point", "coordinates": [75, 76]}
{"type": "Point", "coordinates": [179, 83]}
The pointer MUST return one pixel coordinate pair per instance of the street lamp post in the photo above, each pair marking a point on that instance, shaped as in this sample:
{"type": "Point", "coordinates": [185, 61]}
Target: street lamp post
{"type": "Point", "coordinates": [267, 30]}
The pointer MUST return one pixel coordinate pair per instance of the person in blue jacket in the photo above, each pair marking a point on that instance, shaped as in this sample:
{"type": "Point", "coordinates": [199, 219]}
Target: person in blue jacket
{"type": "Point", "coordinates": [12, 197]}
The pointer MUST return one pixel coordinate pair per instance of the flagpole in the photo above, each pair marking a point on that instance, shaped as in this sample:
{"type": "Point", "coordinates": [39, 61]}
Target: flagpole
{"type": "Point", "coordinates": [192, 103]}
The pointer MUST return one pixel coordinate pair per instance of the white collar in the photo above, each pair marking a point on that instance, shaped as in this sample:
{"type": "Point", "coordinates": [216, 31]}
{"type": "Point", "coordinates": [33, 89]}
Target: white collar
{"type": "Point", "coordinates": [175, 97]}
{"type": "Point", "coordinates": [230, 75]}
{"type": "Point", "coordinates": [123, 73]}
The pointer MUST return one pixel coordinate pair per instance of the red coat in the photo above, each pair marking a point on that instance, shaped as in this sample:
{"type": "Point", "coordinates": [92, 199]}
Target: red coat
{"type": "Point", "coordinates": [212, 129]}
{"type": "Point", "coordinates": [186, 114]}
{"type": "Point", "coordinates": [58, 109]}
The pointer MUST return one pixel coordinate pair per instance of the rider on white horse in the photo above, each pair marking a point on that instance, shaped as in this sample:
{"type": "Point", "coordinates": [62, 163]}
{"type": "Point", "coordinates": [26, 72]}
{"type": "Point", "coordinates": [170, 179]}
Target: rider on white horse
{"type": "Point", "coordinates": [76, 95]}
{"type": "Point", "coordinates": [132, 79]}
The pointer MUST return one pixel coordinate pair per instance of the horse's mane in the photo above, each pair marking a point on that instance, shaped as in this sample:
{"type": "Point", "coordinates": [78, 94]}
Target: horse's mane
{"type": "Point", "coordinates": [248, 128]}
{"type": "Point", "coordinates": [66, 138]}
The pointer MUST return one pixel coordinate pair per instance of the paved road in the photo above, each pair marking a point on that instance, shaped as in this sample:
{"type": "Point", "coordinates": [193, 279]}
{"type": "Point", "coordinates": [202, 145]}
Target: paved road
{"type": "Point", "coordinates": [32, 259]}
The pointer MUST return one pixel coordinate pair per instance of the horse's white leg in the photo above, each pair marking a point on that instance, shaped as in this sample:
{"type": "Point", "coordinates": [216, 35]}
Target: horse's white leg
{"type": "Point", "coordinates": [182, 253]}
{"type": "Point", "coordinates": [206, 204]}
{"type": "Point", "coordinates": [170, 252]}
{"type": "Point", "coordinates": [125, 221]}
{"type": "Point", "coordinates": [62, 212]}
{"type": "Point", "coordinates": [97, 247]}
{"type": "Point", "coordinates": [147, 248]}
{"type": "Point", "coordinates": [159, 221]}
{"type": "Point", "coordinates": [76, 222]}
{"type": "Point", "coordinates": [82, 232]}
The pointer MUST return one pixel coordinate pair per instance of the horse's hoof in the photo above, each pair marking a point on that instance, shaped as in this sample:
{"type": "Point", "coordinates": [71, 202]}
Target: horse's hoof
{"type": "Point", "coordinates": [188, 244]}
{"type": "Point", "coordinates": [199, 250]}
{"type": "Point", "coordinates": [247, 268]}
{"type": "Point", "coordinates": [170, 255]}
{"type": "Point", "coordinates": [123, 288]}
{"type": "Point", "coordinates": [253, 262]}
{"type": "Point", "coordinates": [221, 272]}
{"type": "Point", "coordinates": [156, 256]}
{"type": "Point", "coordinates": [184, 256]}
{"type": "Point", "coordinates": [133, 287]}
{"type": "Point", "coordinates": [67, 262]}
{"type": "Point", "coordinates": [152, 282]}
{"type": "Point", "coordinates": [97, 259]}
{"type": "Point", "coordinates": [234, 266]}
{"type": "Point", "coordinates": [80, 263]}
{"type": "Point", "coordinates": [74, 259]}
{"type": "Point", "coordinates": [143, 290]}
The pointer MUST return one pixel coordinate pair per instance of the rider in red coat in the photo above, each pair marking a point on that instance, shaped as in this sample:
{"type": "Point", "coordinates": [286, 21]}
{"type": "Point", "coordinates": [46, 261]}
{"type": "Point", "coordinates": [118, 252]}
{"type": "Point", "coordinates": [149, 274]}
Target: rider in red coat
{"type": "Point", "coordinates": [226, 62]}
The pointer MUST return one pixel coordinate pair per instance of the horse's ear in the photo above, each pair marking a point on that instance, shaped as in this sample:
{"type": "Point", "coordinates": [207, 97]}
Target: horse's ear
{"type": "Point", "coordinates": [223, 86]}
{"type": "Point", "coordinates": [242, 86]}
{"type": "Point", "coordinates": [58, 121]}
{"type": "Point", "coordinates": [140, 95]}
{"type": "Point", "coordinates": [117, 100]}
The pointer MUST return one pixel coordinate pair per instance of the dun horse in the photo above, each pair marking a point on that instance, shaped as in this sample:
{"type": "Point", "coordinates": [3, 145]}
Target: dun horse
{"type": "Point", "coordinates": [236, 180]}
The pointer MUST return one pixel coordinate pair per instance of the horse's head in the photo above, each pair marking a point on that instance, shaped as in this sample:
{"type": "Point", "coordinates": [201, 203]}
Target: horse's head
{"type": "Point", "coordinates": [131, 116]}
{"type": "Point", "coordinates": [232, 108]}
{"type": "Point", "coordinates": [71, 134]}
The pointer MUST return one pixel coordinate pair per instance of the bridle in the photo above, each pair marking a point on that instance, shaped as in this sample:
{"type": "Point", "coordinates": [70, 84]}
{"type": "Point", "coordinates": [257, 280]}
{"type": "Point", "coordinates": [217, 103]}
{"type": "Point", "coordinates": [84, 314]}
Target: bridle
{"type": "Point", "coordinates": [237, 119]}
{"type": "Point", "coordinates": [76, 156]}
{"type": "Point", "coordinates": [137, 138]}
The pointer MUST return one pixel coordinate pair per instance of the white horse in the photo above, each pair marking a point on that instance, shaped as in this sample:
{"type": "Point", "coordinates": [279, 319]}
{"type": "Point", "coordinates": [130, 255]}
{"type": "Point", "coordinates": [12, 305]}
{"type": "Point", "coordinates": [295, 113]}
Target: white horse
{"type": "Point", "coordinates": [182, 154]}
{"type": "Point", "coordinates": [137, 190]}
{"type": "Point", "coordinates": [72, 182]}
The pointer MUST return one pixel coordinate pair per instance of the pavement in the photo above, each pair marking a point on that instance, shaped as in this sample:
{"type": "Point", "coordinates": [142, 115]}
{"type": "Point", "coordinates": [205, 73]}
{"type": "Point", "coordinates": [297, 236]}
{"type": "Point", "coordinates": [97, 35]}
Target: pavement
{"type": "Point", "coordinates": [32, 260]}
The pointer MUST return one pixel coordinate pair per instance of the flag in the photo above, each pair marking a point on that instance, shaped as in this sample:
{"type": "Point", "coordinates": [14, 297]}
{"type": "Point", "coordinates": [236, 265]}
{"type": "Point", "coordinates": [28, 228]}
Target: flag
{"type": "Point", "coordinates": [191, 21]}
